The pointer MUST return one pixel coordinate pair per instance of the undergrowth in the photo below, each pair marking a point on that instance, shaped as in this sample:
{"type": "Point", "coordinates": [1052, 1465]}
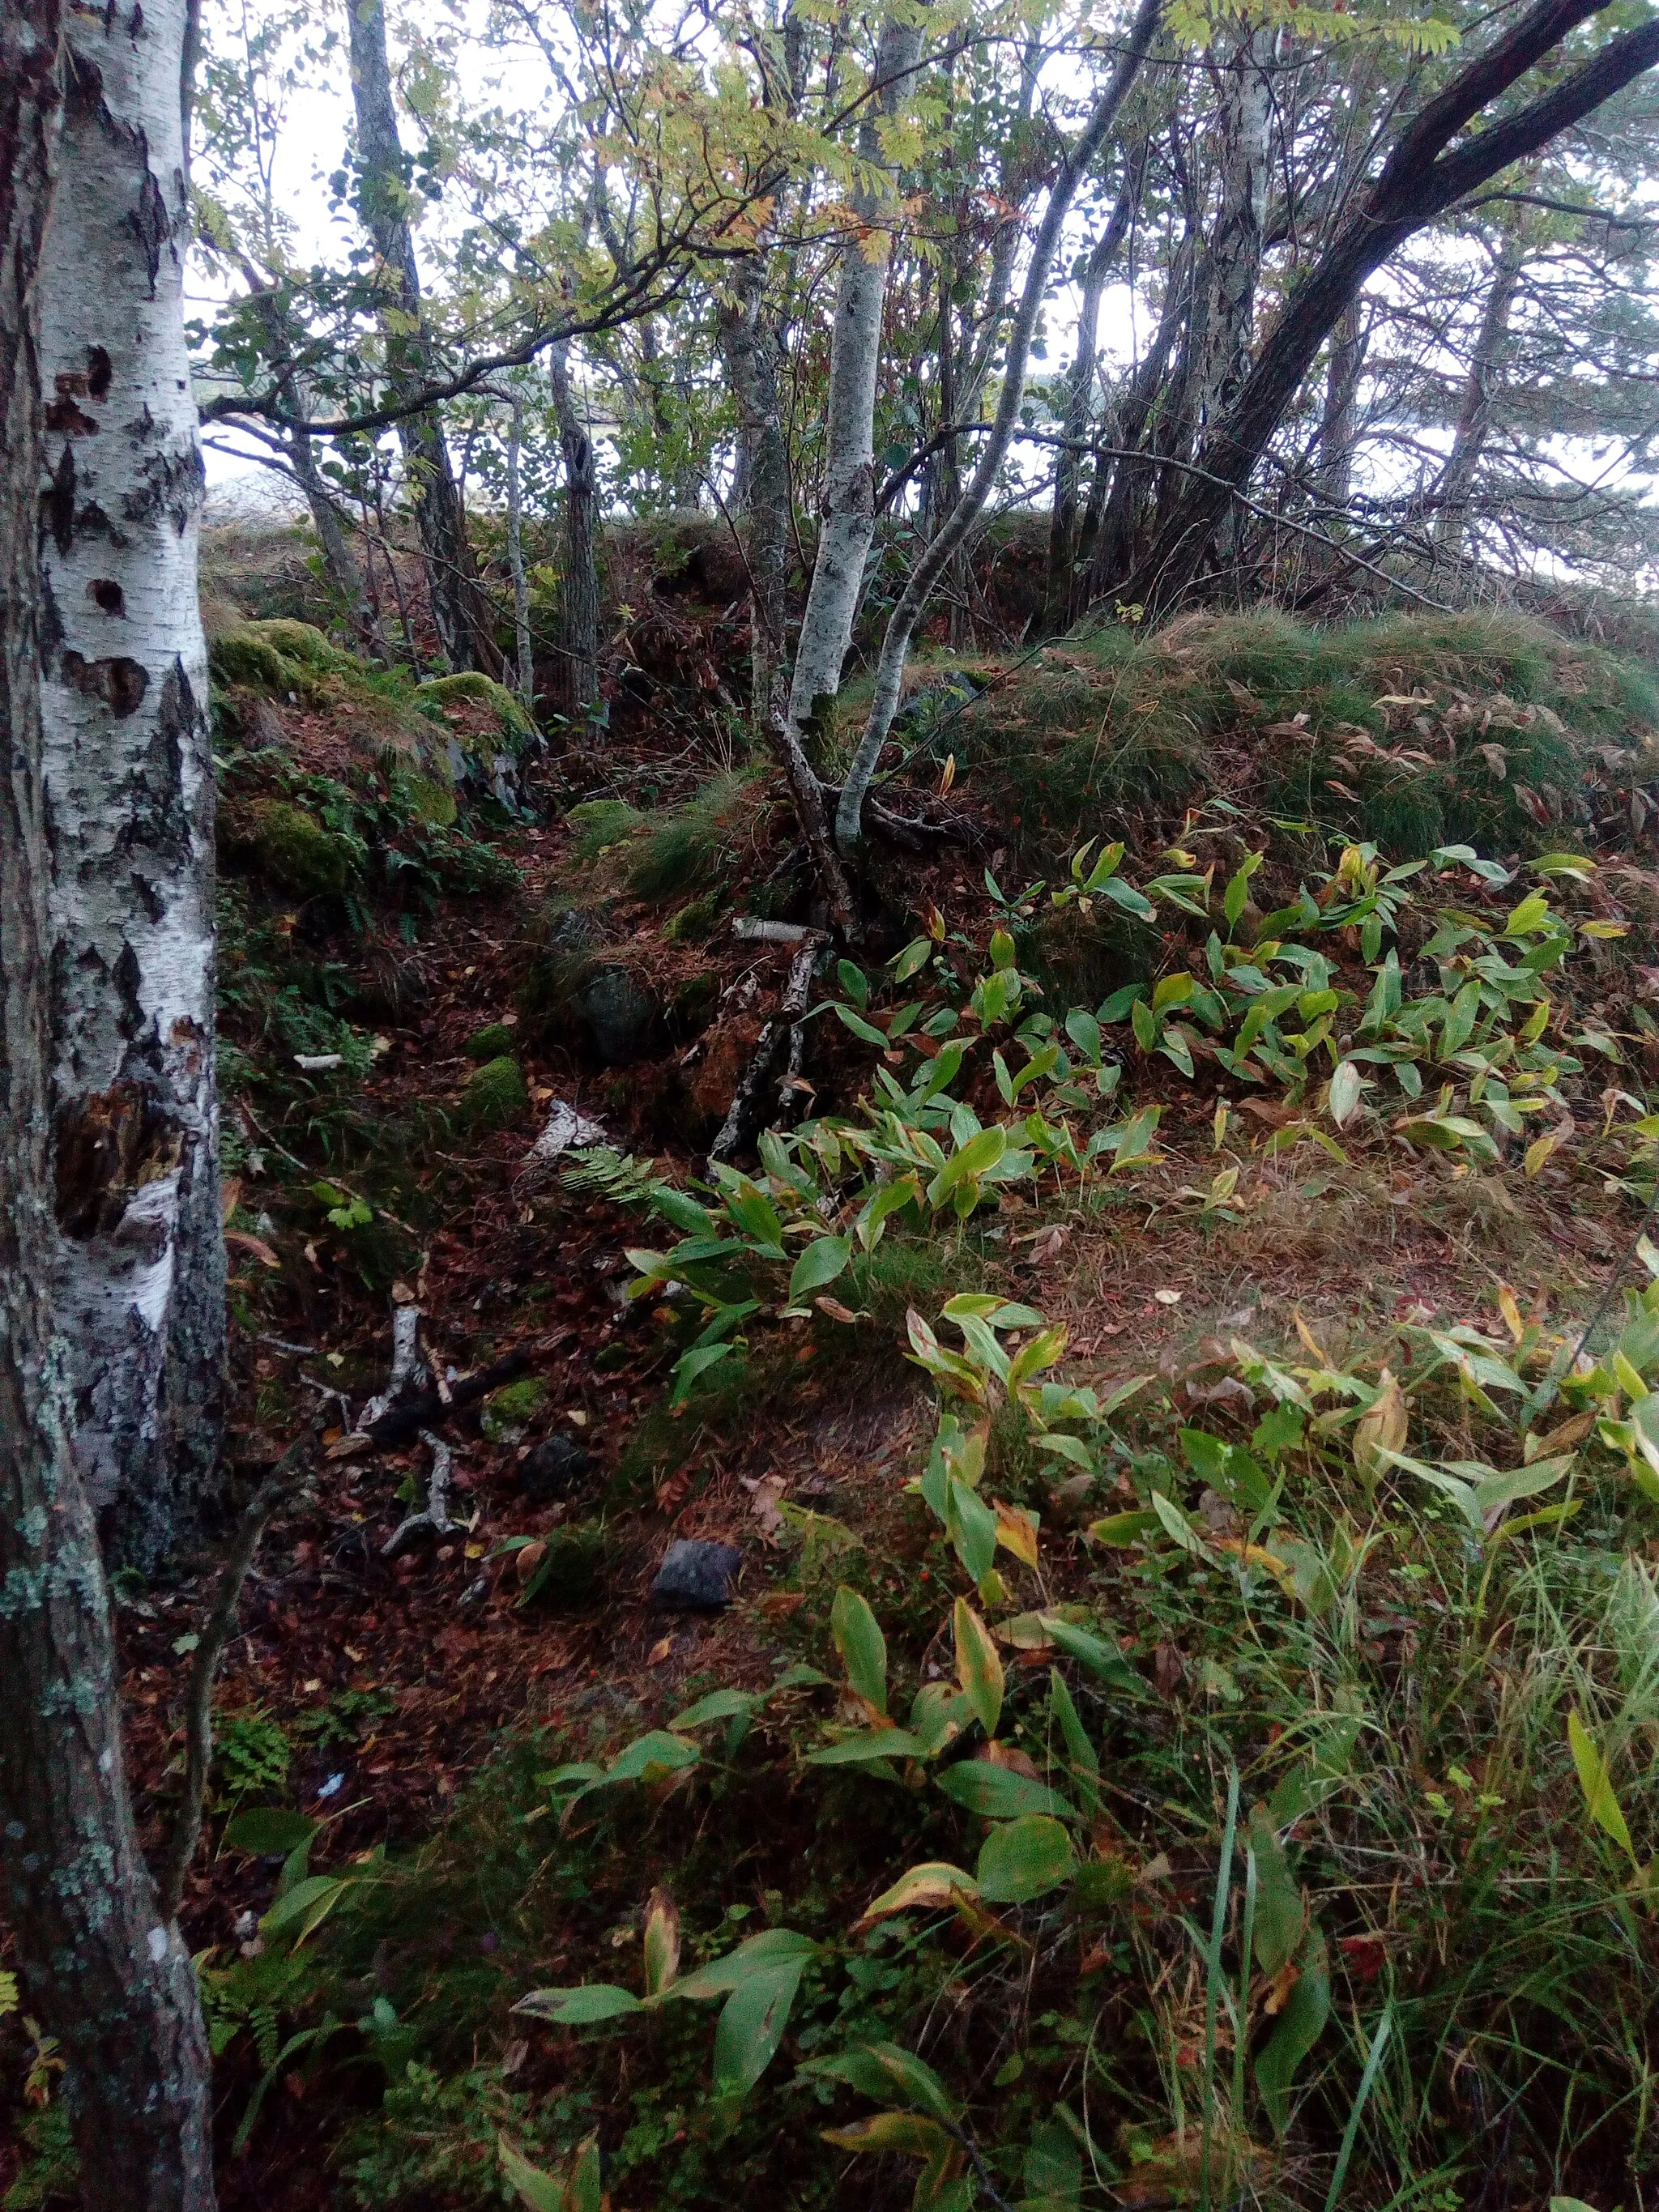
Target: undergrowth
{"type": "Point", "coordinates": [1225, 1786]}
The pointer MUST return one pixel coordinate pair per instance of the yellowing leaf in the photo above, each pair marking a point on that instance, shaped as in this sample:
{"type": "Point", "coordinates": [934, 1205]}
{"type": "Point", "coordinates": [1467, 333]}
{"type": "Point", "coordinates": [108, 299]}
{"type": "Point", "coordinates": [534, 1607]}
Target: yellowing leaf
{"type": "Point", "coordinates": [1539, 1150]}
{"type": "Point", "coordinates": [1016, 1532]}
{"type": "Point", "coordinates": [979, 1667]}
{"type": "Point", "coordinates": [925, 1887]}
{"type": "Point", "coordinates": [662, 1942]}
{"type": "Point", "coordinates": [1380, 1428]}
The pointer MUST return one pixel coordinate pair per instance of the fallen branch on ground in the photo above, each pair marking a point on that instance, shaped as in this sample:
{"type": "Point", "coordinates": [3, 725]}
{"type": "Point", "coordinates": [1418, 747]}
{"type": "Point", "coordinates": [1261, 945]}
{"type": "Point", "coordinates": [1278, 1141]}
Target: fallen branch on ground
{"type": "Point", "coordinates": [434, 1515]}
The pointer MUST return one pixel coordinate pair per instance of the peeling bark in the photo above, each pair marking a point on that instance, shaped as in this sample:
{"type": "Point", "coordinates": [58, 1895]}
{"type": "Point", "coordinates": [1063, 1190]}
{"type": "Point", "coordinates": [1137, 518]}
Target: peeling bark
{"type": "Point", "coordinates": [129, 796]}
{"type": "Point", "coordinates": [104, 1974]}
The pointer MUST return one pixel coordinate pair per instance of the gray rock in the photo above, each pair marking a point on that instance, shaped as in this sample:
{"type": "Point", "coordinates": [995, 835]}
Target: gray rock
{"type": "Point", "coordinates": [621, 1013]}
{"type": "Point", "coordinates": [553, 1469]}
{"type": "Point", "coordinates": [697, 1577]}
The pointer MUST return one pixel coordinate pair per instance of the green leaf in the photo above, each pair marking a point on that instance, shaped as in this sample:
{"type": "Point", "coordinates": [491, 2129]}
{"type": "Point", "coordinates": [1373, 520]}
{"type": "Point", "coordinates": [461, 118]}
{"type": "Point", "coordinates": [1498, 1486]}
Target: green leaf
{"type": "Point", "coordinates": [867, 1745]}
{"type": "Point", "coordinates": [1280, 1913]}
{"type": "Point", "coordinates": [1080, 1752]}
{"type": "Point", "coordinates": [1002, 1793]}
{"type": "Point", "coordinates": [1301, 2023]}
{"type": "Point", "coordinates": [539, 2191]}
{"type": "Point", "coordinates": [305, 1907]}
{"type": "Point", "coordinates": [853, 982]}
{"type": "Point", "coordinates": [718, 1705]}
{"type": "Point", "coordinates": [1593, 1779]}
{"type": "Point", "coordinates": [971, 1525]}
{"type": "Point", "coordinates": [267, 1831]}
{"type": "Point", "coordinates": [751, 2025]}
{"type": "Point", "coordinates": [889, 2076]}
{"type": "Point", "coordinates": [1024, 1858]}
{"type": "Point", "coordinates": [580, 2008]}
{"type": "Point", "coordinates": [862, 1647]}
{"type": "Point", "coordinates": [820, 1263]}
{"type": "Point", "coordinates": [866, 1032]}
{"type": "Point", "coordinates": [772, 1947]}
{"type": "Point", "coordinates": [691, 1366]}
{"type": "Point", "coordinates": [978, 1154]}
{"type": "Point", "coordinates": [1097, 1653]}
{"type": "Point", "coordinates": [1345, 1092]}
{"type": "Point", "coordinates": [916, 956]}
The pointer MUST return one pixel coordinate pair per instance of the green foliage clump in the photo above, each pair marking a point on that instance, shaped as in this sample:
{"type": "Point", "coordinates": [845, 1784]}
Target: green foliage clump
{"type": "Point", "coordinates": [50, 2167]}
{"type": "Point", "coordinates": [496, 1096]}
{"type": "Point", "coordinates": [600, 823]}
{"type": "Point", "coordinates": [1411, 730]}
{"type": "Point", "coordinates": [693, 848]}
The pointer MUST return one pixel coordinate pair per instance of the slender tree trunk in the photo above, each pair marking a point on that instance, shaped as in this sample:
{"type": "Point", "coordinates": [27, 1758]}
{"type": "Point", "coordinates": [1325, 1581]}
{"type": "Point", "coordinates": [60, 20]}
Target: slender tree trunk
{"type": "Point", "coordinates": [900, 626]}
{"type": "Point", "coordinates": [1480, 389]}
{"type": "Point", "coordinates": [748, 343]}
{"type": "Point", "coordinates": [1425, 173]}
{"type": "Point", "coordinates": [1339, 424]}
{"type": "Point", "coordinates": [1080, 394]}
{"type": "Point", "coordinates": [459, 609]}
{"type": "Point", "coordinates": [848, 512]}
{"type": "Point", "coordinates": [114, 1986]}
{"type": "Point", "coordinates": [515, 560]}
{"type": "Point", "coordinates": [580, 658]}
{"type": "Point", "coordinates": [129, 796]}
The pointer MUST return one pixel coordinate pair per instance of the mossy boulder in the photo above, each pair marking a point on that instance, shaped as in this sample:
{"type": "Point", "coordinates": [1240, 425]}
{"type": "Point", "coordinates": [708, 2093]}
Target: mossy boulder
{"type": "Point", "coordinates": [296, 640]}
{"type": "Point", "coordinates": [496, 1096]}
{"type": "Point", "coordinates": [292, 849]}
{"type": "Point", "coordinates": [508, 1410]}
{"type": "Point", "coordinates": [241, 656]}
{"type": "Point", "coordinates": [494, 1041]}
{"type": "Point", "coordinates": [515, 725]}
{"type": "Point", "coordinates": [430, 800]}
{"type": "Point", "coordinates": [694, 923]}
{"type": "Point", "coordinates": [624, 1017]}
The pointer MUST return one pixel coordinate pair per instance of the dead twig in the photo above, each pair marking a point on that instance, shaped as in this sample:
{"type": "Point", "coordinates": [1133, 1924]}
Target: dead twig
{"type": "Point", "coordinates": [780, 1041]}
{"type": "Point", "coordinates": [434, 1515]}
{"type": "Point", "coordinates": [288, 1474]}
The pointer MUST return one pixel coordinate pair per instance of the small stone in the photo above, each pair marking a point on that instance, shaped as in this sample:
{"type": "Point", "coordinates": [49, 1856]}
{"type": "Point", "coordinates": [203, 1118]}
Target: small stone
{"type": "Point", "coordinates": [622, 1015]}
{"type": "Point", "coordinates": [697, 1577]}
{"type": "Point", "coordinates": [553, 1469]}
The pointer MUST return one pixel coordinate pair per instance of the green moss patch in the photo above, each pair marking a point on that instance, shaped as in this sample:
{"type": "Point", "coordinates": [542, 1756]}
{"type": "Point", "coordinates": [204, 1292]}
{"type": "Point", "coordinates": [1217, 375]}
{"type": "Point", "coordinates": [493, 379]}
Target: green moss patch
{"type": "Point", "coordinates": [496, 1096]}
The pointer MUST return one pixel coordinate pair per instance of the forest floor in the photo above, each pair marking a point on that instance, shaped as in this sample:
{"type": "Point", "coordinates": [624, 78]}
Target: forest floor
{"type": "Point", "coordinates": [404, 1702]}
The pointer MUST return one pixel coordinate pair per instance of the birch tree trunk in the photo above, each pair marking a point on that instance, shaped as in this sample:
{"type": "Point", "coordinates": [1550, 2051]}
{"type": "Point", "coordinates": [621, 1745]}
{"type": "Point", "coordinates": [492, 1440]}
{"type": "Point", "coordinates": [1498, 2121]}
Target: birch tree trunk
{"type": "Point", "coordinates": [1480, 390]}
{"type": "Point", "coordinates": [114, 1986]}
{"type": "Point", "coordinates": [579, 677]}
{"type": "Point", "coordinates": [901, 623]}
{"type": "Point", "coordinates": [849, 510]}
{"type": "Point", "coordinates": [459, 609]}
{"type": "Point", "coordinates": [129, 798]}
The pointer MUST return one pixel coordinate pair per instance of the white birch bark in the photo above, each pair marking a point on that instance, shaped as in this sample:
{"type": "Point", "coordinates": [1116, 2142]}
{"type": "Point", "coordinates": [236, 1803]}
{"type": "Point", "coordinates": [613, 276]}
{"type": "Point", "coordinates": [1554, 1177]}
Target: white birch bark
{"type": "Point", "coordinates": [128, 792]}
{"type": "Point", "coordinates": [849, 510]}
